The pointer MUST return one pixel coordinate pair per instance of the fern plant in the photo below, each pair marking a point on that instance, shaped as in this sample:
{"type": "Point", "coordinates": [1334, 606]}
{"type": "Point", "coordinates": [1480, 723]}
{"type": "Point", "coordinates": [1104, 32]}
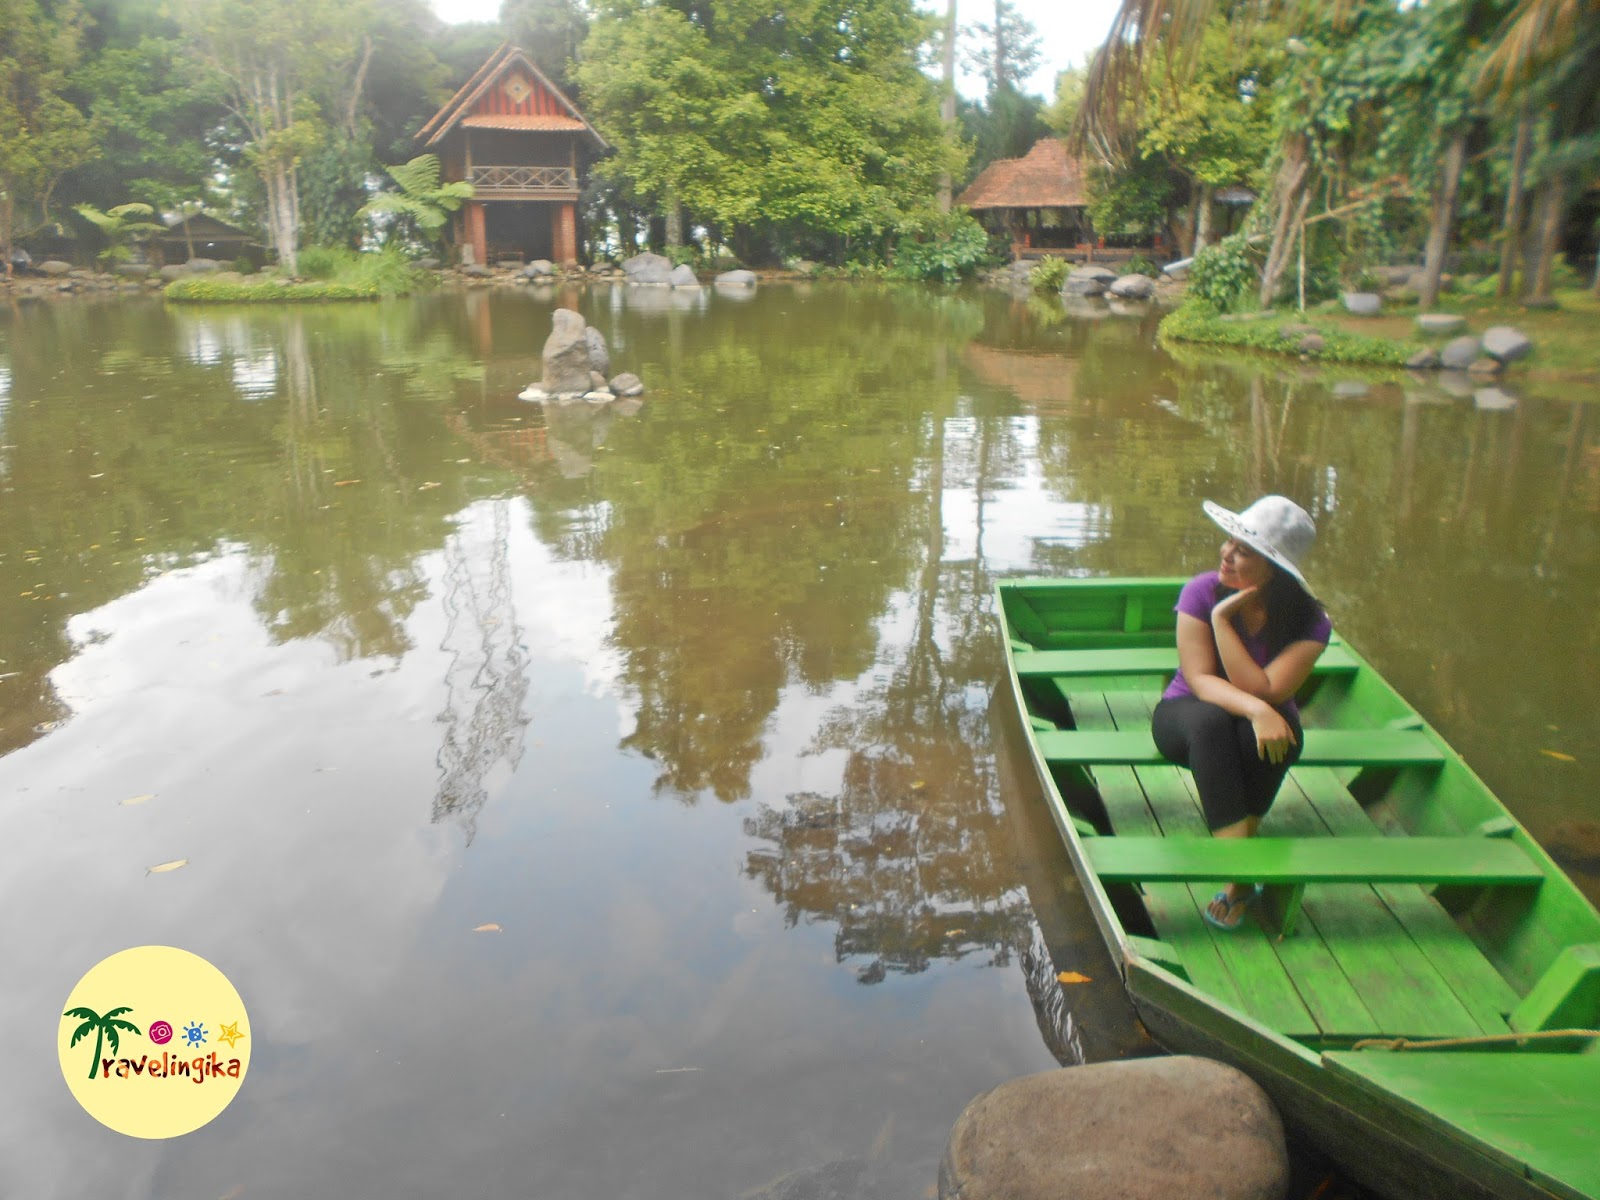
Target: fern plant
{"type": "Point", "coordinates": [423, 203]}
{"type": "Point", "coordinates": [121, 227]}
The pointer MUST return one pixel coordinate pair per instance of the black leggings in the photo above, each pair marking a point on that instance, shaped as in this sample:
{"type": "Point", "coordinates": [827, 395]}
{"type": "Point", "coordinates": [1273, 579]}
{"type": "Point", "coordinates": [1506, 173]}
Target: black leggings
{"type": "Point", "coordinates": [1234, 781]}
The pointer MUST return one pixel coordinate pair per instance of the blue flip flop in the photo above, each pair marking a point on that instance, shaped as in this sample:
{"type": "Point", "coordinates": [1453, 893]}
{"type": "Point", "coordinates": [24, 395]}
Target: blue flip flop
{"type": "Point", "coordinates": [1234, 908]}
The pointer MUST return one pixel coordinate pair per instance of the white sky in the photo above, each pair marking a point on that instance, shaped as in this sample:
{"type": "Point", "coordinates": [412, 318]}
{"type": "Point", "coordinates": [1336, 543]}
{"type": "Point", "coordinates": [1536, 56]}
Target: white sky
{"type": "Point", "coordinates": [1070, 30]}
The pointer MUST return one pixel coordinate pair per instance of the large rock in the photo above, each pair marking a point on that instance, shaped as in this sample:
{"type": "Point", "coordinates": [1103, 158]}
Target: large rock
{"type": "Point", "coordinates": [54, 266]}
{"type": "Point", "coordinates": [203, 266]}
{"type": "Point", "coordinates": [599, 355]}
{"type": "Point", "coordinates": [1439, 324]}
{"type": "Point", "coordinates": [1506, 344]}
{"type": "Point", "coordinates": [1493, 399]}
{"type": "Point", "coordinates": [1087, 281]}
{"type": "Point", "coordinates": [647, 268]}
{"type": "Point", "coordinates": [539, 268]}
{"type": "Point", "coordinates": [1459, 353]}
{"type": "Point", "coordinates": [683, 276]}
{"type": "Point", "coordinates": [1139, 1129]}
{"type": "Point", "coordinates": [1363, 304]}
{"type": "Point", "coordinates": [173, 271]}
{"type": "Point", "coordinates": [736, 279]}
{"type": "Point", "coordinates": [134, 270]}
{"type": "Point", "coordinates": [1133, 287]}
{"type": "Point", "coordinates": [627, 385]}
{"type": "Point", "coordinates": [566, 354]}
{"type": "Point", "coordinates": [1423, 360]}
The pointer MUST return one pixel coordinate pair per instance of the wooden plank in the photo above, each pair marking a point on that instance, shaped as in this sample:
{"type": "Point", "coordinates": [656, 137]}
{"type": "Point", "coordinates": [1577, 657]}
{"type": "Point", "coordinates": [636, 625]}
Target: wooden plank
{"type": "Point", "coordinates": [1312, 860]}
{"type": "Point", "coordinates": [1170, 907]}
{"type": "Point", "coordinates": [1265, 989]}
{"type": "Point", "coordinates": [1323, 747]}
{"type": "Point", "coordinates": [1143, 660]}
{"type": "Point", "coordinates": [1482, 990]}
{"type": "Point", "coordinates": [1534, 1111]}
{"type": "Point", "coordinates": [1567, 997]}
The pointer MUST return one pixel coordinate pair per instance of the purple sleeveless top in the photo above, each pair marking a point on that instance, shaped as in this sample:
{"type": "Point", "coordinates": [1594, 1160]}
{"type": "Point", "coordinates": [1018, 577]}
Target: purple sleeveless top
{"type": "Point", "coordinates": [1199, 597]}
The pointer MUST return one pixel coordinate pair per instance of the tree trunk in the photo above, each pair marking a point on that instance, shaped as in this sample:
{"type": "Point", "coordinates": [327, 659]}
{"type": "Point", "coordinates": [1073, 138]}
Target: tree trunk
{"type": "Point", "coordinates": [1202, 220]}
{"type": "Point", "coordinates": [1444, 216]}
{"type": "Point", "coordinates": [1511, 227]}
{"type": "Point", "coordinates": [1553, 196]}
{"type": "Point", "coordinates": [947, 105]}
{"type": "Point", "coordinates": [674, 217]}
{"type": "Point", "coordinates": [1292, 197]}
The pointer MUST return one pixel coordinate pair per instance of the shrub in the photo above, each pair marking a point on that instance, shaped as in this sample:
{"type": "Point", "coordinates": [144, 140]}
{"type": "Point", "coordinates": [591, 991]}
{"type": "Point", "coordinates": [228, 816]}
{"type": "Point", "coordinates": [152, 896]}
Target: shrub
{"type": "Point", "coordinates": [1195, 321]}
{"type": "Point", "coordinates": [207, 290]}
{"type": "Point", "coordinates": [680, 256]}
{"type": "Point", "coordinates": [244, 266]}
{"type": "Point", "coordinates": [1224, 276]}
{"type": "Point", "coordinates": [940, 246]}
{"type": "Point", "coordinates": [1048, 275]}
{"type": "Point", "coordinates": [1140, 265]}
{"type": "Point", "coordinates": [321, 262]}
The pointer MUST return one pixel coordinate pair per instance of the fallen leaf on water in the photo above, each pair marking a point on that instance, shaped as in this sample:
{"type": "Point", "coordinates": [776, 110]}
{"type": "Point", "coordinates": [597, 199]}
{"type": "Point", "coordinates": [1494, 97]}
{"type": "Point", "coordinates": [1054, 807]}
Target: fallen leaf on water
{"type": "Point", "coordinates": [954, 932]}
{"type": "Point", "coordinates": [138, 799]}
{"type": "Point", "coordinates": [491, 927]}
{"type": "Point", "coordinates": [163, 868]}
{"type": "Point", "coordinates": [1072, 977]}
{"type": "Point", "coordinates": [345, 482]}
{"type": "Point", "coordinates": [1558, 756]}
{"type": "Point", "coordinates": [426, 486]}
{"type": "Point", "coordinates": [918, 785]}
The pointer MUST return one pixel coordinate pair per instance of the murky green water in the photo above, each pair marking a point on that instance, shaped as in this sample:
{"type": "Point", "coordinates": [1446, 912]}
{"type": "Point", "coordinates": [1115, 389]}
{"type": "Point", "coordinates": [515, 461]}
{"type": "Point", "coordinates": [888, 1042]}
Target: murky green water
{"type": "Point", "coordinates": [691, 701]}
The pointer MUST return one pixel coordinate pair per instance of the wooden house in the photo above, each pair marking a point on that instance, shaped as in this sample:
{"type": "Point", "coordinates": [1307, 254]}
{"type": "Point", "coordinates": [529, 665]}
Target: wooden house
{"type": "Point", "coordinates": [524, 147]}
{"type": "Point", "coordinates": [1038, 200]}
{"type": "Point", "coordinates": [201, 235]}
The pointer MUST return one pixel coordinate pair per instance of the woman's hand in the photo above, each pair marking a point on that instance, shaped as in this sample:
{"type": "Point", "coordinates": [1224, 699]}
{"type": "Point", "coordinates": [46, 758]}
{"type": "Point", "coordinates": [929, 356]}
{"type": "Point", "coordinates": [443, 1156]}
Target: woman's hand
{"type": "Point", "coordinates": [1228, 608]}
{"type": "Point", "coordinates": [1274, 735]}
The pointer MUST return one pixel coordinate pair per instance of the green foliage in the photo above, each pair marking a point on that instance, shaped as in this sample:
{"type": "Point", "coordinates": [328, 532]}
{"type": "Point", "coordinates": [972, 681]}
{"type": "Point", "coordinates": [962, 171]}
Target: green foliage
{"type": "Point", "coordinates": [1133, 199]}
{"type": "Point", "coordinates": [201, 289]}
{"type": "Point", "coordinates": [1005, 124]}
{"type": "Point", "coordinates": [1197, 321]}
{"type": "Point", "coordinates": [121, 227]}
{"type": "Point", "coordinates": [244, 266]}
{"type": "Point", "coordinates": [680, 256]}
{"type": "Point", "coordinates": [385, 272]}
{"type": "Point", "coordinates": [1224, 276]}
{"type": "Point", "coordinates": [944, 247]}
{"type": "Point", "coordinates": [321, 262]}
{"type": "Point", "coordinates": [1003, 51]}
{"type": "Point", "coordinates": [41, 134]}
{"type": "Point", "coordinates": [1141, 265]}
{"type": "Point", "coordinates": [1048, 275]}
{"type": "Point", "coordinates": [793, 123]}
{"type": "Point", "coordinates": [422, 199]}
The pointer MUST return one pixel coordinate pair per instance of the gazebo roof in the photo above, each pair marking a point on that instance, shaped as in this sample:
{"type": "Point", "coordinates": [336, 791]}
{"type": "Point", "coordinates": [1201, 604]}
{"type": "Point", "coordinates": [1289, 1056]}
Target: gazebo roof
{"type": "Point", "coordinates": [1046, 177]}
{"type": "Point", "coordinates": [542, 107]}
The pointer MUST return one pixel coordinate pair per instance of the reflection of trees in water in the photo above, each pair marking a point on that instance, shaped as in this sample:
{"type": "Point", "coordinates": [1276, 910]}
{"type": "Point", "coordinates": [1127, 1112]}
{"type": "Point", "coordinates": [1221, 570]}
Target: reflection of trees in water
{"type": "Point", "coordinates": [486, 683]}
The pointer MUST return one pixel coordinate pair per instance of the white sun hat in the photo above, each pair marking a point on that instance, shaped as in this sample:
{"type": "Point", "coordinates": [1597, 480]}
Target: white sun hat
{"type": "Point", "coordinates": [1274, 526]}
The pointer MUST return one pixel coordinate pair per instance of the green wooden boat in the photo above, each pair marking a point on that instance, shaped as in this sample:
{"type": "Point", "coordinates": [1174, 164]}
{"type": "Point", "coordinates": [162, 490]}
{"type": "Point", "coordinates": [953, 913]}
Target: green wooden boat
{"type": "Point", "coordinates": [1402, 905]}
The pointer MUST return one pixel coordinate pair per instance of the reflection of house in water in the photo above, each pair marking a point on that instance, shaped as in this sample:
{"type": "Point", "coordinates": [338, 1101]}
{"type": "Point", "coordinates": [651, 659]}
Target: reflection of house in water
{"type": "Point", "coordinates": [1043, 382]}
{"type": "Point", "coordinates": [486, 682]}
{"type": "Point", "coordinates": [516, 448]}
{"type": "Point", "coordinates": [898, 873]}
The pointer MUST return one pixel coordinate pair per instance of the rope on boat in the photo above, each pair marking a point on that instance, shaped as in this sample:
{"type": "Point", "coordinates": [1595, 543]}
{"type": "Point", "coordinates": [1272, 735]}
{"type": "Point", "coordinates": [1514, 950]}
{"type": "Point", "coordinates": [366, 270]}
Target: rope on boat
{"type": "Point", "coordinates": [1486, 1040]}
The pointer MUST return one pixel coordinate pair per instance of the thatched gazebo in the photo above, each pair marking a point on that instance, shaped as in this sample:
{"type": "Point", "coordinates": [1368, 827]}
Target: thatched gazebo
{"type": "Point", "coordinates": [1037, 200]}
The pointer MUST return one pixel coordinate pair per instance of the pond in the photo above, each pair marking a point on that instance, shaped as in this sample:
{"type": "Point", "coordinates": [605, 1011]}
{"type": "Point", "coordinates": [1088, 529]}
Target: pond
{"type": "Point", "coordinates": [608, 802]}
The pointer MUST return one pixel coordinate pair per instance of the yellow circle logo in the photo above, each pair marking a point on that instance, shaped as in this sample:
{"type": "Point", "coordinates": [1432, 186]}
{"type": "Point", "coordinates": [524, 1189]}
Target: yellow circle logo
{"type": "Point", "coordinates": [154, 1042]}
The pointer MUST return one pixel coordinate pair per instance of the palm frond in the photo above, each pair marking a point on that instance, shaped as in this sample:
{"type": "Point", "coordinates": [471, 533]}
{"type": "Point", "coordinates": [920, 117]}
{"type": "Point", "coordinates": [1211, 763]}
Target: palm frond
{"type": "Point", "coordinates": [133, 209]}
{"type": "Point", "coordinates": [82, 1030]}
{"type": "Point", "coordinates": [104, 222]}
{"type": "Point", "coordinates": [1534, 34]}
{"type": "Point", "coordinates": [87, 1014]}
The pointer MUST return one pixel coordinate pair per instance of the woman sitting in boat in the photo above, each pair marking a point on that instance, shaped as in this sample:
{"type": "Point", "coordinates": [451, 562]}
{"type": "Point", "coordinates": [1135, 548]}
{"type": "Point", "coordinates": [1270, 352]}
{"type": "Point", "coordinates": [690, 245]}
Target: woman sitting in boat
{"type": "Point", "coordinates": [1248, 636]}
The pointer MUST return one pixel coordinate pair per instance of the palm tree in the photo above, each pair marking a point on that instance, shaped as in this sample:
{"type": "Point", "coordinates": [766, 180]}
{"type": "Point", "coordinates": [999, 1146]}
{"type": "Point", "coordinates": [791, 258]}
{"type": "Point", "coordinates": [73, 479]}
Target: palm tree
{"type": "Point", "coordinates": [422, 198]}
{"type": "Point", "coordinates": [105, 1030]}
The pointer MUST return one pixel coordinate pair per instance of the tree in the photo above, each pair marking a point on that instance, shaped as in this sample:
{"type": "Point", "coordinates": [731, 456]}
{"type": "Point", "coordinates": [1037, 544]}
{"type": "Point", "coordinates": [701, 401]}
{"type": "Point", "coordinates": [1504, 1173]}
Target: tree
{"type": "Point", "coordinates": [105, 1030]}
{"type": "Point", "coordinates": [272, 59]}
{"type": "Point", "coordinates": [41, 134]}
{"type": "Point", "coordinates": [1005, 50]}
{"type": "Point", "coordinates": [551, 31]}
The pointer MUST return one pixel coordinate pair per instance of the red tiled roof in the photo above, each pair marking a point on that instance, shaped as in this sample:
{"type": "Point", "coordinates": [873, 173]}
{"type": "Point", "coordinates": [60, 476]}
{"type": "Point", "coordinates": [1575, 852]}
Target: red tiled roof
{"type": "Point", "coordinates": [1047, 177]}
{"type": "Point", "coordinates": [541, 95]}
{"type": "Point", "coordinates": [521, 121]}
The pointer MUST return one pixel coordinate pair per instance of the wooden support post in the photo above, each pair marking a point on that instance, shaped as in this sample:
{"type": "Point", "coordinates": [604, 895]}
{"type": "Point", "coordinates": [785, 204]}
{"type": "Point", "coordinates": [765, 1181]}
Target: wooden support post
{"type": "Point", "coordinates": [1567, 996]}
{"type": "Point", "coordinates": [564, 222]}
{"type": "Point", "coordinates": [477, 231]}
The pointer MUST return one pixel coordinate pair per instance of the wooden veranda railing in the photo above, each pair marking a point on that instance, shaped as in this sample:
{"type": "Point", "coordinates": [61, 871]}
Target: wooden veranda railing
{"type": "Point", "coordinates": [504, 182]}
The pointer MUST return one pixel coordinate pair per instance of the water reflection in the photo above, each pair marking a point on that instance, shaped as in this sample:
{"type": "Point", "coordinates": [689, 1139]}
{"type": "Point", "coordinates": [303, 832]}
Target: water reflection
{"type": "Point", "coordinates": [690, 698]}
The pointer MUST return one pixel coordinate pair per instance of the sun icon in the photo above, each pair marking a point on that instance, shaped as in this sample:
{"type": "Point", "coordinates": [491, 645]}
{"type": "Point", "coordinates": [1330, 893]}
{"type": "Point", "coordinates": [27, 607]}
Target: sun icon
{"type": "Point", "coordinates": [195, 1033]}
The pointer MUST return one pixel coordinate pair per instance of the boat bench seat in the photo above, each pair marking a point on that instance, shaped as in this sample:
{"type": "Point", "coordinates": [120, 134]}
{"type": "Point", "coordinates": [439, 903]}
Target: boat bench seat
{"type": "Point", "coordinates": [1285, 865]}
{"type": "Point", "coordinates": [1290, 860]}
{"type": "Point", "coordinates": [1142, 660]}
{"type": "Point", "coordinates": [1323, 748]}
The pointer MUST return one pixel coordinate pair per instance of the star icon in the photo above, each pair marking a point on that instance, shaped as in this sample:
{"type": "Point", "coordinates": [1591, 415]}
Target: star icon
{"type": "Point", "coordinates": [230, 1034]}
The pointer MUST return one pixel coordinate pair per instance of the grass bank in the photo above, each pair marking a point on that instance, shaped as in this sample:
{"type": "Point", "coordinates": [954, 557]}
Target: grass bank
{"type": "Point", "coordinates": [324, 274]}
{"type": "Point", "coordinates": [1566, 338]}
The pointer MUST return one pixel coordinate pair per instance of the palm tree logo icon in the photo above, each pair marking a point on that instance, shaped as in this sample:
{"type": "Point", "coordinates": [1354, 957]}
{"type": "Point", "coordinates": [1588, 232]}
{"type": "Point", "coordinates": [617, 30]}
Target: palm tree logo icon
{"type": "Point", "coordinates": [105, 1030]}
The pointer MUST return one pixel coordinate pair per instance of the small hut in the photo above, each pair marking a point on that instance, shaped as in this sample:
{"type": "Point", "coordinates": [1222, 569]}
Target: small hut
{"type": "Point", "coordinates": [1037, 200]}
{"type": "Point", "coordinates": [209, 238]}
{"type": "Point", "coordinates": [524, 147]}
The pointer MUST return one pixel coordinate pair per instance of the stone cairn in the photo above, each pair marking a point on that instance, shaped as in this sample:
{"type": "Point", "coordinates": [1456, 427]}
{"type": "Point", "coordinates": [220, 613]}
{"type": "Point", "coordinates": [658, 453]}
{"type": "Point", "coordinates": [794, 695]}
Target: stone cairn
{"type": "Point", "coordinates": [576, 360]}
